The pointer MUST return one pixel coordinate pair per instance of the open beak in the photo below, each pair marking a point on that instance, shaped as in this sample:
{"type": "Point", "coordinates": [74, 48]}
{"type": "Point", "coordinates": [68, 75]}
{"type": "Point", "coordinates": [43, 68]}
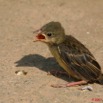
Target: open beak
{"type": "Point", "coordinates": [39, 37]}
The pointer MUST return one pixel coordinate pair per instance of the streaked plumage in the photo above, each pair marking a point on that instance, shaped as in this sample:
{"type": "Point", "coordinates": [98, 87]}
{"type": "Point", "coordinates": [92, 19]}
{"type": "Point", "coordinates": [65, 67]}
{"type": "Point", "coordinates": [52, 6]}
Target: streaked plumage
{"type": "Point", "coordinates": [71, 55]}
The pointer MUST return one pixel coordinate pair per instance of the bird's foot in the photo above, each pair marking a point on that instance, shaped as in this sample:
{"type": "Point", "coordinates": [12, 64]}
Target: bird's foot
{"type": "Point", "coordinates": [57, 73]}
{"type": "Point", "coordinates": [69, 84]}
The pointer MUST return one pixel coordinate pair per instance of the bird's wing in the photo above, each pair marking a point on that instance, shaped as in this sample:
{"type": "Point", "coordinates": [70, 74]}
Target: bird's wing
{"type": "Point", "coordinates": [83, 64]}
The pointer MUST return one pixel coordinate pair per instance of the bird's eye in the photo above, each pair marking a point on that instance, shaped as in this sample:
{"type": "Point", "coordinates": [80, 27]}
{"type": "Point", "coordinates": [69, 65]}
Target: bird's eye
{"type": "Point", "coordinates": [49, 34]}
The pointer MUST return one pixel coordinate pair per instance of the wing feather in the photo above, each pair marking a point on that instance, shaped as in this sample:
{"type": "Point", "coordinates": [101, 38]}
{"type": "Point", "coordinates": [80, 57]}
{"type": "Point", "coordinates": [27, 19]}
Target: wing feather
{"type": "Point", "coordinates": [82, 63]}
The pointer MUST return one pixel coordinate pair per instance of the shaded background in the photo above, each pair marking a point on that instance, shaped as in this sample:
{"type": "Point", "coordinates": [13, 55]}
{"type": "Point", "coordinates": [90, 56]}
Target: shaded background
{"type": "Point", "coordinates": [18, 19]}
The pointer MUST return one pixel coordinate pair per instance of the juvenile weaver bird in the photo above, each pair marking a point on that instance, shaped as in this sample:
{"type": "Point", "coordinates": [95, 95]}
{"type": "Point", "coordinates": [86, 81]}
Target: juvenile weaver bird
{"type": "Point", "coordinates": [71, 55]}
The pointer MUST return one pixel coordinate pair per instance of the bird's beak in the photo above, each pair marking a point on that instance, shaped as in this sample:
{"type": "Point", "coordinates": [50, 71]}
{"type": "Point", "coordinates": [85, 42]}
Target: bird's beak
{"type": "Point", "coordinates": [39, 36]}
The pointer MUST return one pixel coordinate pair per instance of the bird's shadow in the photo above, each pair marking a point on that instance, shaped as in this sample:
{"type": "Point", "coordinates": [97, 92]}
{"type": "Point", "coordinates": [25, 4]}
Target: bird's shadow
{"type": "Point", "coordinates": [42, 63]}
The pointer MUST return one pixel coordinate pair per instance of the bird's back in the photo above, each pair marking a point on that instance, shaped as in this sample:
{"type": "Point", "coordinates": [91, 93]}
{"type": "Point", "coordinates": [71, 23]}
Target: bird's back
{"type": "Point", "coordinates": [76, 46]}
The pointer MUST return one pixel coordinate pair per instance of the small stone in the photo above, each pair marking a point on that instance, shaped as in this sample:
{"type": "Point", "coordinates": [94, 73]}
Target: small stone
{"type": "Point", "coordinates": [20, 72]}
{"type": "Point", "coordinates": [90, 88]}
{"type": "Point", "coordinates": [88, 32]}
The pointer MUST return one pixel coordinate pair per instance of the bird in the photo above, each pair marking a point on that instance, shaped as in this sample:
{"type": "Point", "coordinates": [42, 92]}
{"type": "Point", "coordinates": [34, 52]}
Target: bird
{"type": "Point", "coordinates": [77, 61]}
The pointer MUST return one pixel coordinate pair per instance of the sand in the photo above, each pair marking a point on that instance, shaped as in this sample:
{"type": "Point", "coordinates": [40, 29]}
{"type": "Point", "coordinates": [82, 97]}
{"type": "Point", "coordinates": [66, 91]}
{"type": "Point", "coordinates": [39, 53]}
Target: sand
{"type": "Point", "coordinates": [18, 19]}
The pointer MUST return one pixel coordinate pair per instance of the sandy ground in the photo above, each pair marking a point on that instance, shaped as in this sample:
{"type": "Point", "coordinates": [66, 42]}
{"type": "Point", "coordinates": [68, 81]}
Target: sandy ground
{"type": "Point", "coordinates": [18, 19]}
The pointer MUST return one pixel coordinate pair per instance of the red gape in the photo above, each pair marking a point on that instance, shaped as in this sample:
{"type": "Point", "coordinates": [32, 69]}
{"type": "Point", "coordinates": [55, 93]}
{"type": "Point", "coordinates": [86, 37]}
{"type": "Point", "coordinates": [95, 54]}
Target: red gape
{"type": "Point", "coordinates": [40, 36]}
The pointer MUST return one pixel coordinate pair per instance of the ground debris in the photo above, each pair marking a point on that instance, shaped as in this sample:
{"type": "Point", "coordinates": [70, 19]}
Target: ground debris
{"type": "Point", "coordinates": [20, 72]}
{"type": "Point", "coordinates": [90, 88]}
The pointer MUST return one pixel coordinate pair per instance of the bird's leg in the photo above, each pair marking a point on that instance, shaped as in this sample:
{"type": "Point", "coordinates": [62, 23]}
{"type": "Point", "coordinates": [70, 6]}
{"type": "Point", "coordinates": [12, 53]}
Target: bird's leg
{"type": "Point", "coordinates": [56, 73]}
{"type": "Point", "coordinates": [69, 84]}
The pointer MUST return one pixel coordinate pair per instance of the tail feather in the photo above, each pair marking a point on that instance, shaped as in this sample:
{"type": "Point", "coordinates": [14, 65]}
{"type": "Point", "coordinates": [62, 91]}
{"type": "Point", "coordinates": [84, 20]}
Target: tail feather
{"type": "Point", "coordinates": [100, 79]}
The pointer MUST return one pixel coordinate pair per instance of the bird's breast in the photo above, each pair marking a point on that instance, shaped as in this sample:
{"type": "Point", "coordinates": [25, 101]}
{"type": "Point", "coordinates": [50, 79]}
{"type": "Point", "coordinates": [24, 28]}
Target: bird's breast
{"type": "Point", "coordinates": [55, 52]}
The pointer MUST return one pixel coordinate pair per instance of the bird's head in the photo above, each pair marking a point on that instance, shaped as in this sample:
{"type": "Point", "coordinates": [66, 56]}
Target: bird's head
{"type": "Point", "coordinates": [51, 32]}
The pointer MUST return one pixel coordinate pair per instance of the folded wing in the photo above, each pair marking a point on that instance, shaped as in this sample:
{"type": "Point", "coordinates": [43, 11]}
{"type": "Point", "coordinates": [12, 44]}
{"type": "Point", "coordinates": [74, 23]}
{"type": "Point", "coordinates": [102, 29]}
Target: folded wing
{"type": "Point", "coordinates": [81, 62]}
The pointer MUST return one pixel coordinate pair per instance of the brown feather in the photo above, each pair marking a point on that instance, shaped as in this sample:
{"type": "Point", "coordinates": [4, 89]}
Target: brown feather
{"type": "Point", "coordinates": [79, 59]}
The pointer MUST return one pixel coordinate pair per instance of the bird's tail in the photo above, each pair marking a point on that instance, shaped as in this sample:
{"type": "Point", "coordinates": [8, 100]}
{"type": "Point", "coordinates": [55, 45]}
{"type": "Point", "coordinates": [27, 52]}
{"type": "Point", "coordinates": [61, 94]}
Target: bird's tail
{"type": "Point", "coordinates": [100, 79]}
